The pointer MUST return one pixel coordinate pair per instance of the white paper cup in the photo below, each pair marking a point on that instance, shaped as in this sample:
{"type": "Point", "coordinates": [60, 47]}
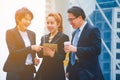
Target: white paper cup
{"type": "Point", "coordinates": [67, 43]}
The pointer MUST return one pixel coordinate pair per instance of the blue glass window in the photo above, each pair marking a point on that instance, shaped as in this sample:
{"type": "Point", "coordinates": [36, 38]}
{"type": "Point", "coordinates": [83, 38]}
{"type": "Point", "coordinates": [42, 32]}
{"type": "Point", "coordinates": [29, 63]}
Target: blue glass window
{"type": "Point", "coordinates": [118, 24]}
{"type": "Point", "coordinates": [118, 15]}
{"type": "Point", "coordinates": [117, 55]}
{"type": "Point", "coordinates": [118, 45]}
{"type": "Point", "coordinates": [117, 68]}
{"type": "Point", "coordinates": [107, 76]}
{"type": "Point", "coordinates": [106, 56]}
{"type": "Point", "coordinates": [107, 35]}
{"type": "Point", "coordinates": [106, 27]}
{"type": "Point", "coordinates": [106, 66]}
{"type": "Point", "coordinates": [117, 76]}
{"type": "Point", "coordinates": [118, 34]}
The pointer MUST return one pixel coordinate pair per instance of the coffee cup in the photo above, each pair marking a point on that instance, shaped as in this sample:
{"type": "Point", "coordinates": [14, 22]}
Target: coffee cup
{"type": "Point", "coordinates": [67, 43]}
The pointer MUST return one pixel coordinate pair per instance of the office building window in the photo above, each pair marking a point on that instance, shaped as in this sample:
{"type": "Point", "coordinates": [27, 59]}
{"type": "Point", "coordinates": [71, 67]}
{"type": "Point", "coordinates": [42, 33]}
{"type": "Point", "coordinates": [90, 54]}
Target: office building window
{"type": "Point", "coordinates": [106, 56]}
{"type": "Point", "coordinates": [107, 35]}
{"type": "Point", "coordinates": [118, 34]}
{"type": "Point", "coordinates": [117, 76]}
{"type": "Point", "coordinates": [118, 45]}
{"type": "Point", "coordinates": [118, 24]}
{"type": "Point", "coordinates": [117, 67]}
{"type": "Point", "coordinates": [118, 15]}
{"type": "Point", "coordinates": [107, 76]}
{"type": "Point", "coordinates": [106, 66]}
{"type": "Point", "coordinates": [117, 55]}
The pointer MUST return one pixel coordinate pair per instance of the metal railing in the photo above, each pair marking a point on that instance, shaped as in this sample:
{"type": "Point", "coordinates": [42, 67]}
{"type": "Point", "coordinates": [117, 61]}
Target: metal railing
{"type": "Point", "coordinates": [101, 11]}
{"type": "Point", "coordinates": [117, 3]}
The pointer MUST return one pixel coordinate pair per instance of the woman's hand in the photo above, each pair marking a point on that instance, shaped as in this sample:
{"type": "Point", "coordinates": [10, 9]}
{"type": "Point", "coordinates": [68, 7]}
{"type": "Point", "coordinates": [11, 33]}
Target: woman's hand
{"type": "Point", "coordinates": [49, 52]}
{"type": "Point", "coordinates": [36, 48]}
{"type": "Point", "coordinates": [36, 61]}
{"type": "Point", "coordinates": [67, 75]}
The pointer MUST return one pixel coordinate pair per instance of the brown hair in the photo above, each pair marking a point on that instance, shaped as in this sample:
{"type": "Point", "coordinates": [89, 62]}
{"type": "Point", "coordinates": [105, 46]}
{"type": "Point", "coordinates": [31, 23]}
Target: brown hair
{"type": "Point", "coordinates": [58, 19]}
{"type": "Point", "coordinates": [21, 13]}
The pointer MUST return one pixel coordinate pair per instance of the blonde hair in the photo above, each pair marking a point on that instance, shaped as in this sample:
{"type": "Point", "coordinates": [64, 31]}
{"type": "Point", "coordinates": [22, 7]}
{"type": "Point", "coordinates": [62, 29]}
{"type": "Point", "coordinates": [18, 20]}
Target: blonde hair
{"type": "Point", "coordinates": [58, 19]}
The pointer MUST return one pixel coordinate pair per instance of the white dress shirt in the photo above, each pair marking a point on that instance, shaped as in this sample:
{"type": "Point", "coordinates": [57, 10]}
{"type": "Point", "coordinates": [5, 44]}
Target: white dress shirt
{"type": "Point", "coordinates": [81, 29]}
{"type": "Point", "coordinates": [27, 43]}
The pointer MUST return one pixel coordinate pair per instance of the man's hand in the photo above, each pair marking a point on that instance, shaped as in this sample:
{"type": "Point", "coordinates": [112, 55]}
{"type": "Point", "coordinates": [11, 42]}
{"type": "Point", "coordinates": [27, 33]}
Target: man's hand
{"type": "Point", "coordinates": [72, 48]}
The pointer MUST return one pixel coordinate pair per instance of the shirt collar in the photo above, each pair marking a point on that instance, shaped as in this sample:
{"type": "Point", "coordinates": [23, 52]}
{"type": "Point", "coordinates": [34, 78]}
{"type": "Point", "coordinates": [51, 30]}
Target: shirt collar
{"type": "Point", "coordinates": [82, 27]}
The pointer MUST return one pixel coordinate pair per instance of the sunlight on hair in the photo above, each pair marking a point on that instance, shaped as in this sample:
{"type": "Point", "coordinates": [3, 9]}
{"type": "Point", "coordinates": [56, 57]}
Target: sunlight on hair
{"type": "Point", "coordinates": [7, 21]}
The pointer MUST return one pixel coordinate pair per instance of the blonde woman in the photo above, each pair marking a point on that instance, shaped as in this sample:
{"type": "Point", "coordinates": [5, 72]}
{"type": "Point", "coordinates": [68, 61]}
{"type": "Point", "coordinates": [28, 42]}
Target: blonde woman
{"type": "Point", "coordinates": [52, 67]}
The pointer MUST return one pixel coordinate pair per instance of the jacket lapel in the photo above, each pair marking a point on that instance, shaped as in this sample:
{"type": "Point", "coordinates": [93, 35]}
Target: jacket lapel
{"type": "Point", "coordinates": [73, 34]}
{"type": "Point", "coordinates": [18, 37]}
{"type": "Point", "coordinates": [83, 33]}
{"type": "Point", "coordinates": [55, 38]}
{"type": "Point", "coordinates": [32, 41]}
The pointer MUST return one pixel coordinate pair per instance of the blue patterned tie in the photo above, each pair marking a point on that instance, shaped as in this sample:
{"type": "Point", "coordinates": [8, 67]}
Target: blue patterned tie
{"type": "Point", "coordinates": [75, 41]}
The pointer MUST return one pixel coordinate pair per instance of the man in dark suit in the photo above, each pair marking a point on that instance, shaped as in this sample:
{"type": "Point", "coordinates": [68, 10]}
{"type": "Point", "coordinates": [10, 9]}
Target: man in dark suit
{"type": "Point", "coordinates": [84, 49]}
{"type": "Point", "coordinates": [21, 45]}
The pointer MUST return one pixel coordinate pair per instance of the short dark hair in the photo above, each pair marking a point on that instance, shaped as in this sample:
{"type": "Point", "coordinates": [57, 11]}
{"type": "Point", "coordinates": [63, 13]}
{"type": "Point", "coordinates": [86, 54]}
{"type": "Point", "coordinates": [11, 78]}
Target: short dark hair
{"type": "Point", "coordinates": [21, 13]}
{"type": "Point", "coordinates": [77, 11]}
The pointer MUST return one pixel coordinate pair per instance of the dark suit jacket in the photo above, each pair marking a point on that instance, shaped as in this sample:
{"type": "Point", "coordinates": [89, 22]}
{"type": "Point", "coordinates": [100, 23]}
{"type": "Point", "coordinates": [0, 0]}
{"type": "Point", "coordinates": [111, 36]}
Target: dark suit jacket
{"type": "Point", "coordinates": [53, 68]}
{"type": "Point", "coordinates": [88, 50]}
{"type": "Point", "coordinates": [17, 50]}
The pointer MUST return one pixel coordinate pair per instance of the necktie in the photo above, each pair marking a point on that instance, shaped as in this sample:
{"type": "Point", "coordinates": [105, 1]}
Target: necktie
{"type": "Point", "coordinates": [75, 41]}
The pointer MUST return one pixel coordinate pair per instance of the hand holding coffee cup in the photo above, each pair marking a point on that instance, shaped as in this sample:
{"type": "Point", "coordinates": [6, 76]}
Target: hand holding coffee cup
{"type": "Point", "coordinates": [66, 46]}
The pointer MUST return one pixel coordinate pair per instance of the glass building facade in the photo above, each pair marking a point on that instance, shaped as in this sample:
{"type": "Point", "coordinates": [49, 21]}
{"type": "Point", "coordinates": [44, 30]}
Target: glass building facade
{"type": "Point", "coordinates": [99, 21]}
{"type": "Point", "coordinates": [107, 18]}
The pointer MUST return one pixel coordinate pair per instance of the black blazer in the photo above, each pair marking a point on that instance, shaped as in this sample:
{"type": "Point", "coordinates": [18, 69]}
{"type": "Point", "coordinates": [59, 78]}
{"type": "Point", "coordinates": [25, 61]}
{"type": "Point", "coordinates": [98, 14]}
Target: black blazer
{"type": "Point", "coordinates": [59, 39]}
{"type": "Point", "coordinates": [53, 68]}
{"type": "Point", "coordinates": [88, 50]}
{"type": "Point", "coordinates": [17, 50]}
